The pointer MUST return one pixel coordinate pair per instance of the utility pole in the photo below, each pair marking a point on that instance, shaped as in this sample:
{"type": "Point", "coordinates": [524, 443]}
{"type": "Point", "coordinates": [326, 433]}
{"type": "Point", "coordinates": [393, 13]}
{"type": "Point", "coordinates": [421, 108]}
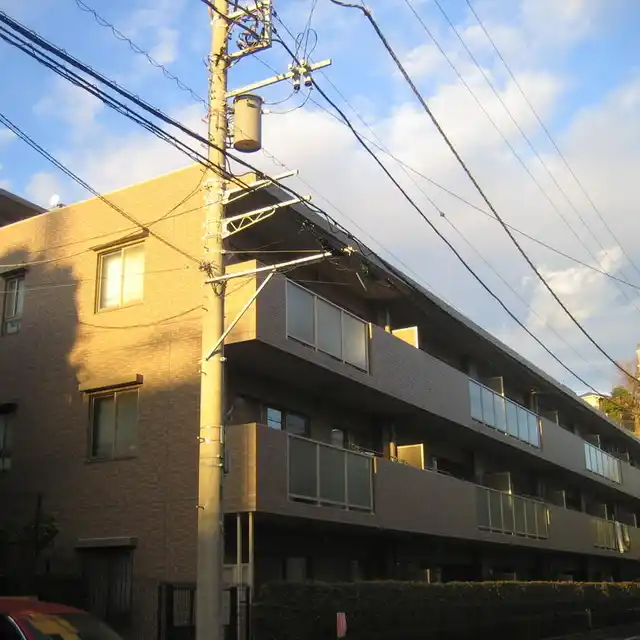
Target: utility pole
{"type": "Point", "coordinates": [256, 22]}
{"type": "Point", "coordinates": [209, 620]}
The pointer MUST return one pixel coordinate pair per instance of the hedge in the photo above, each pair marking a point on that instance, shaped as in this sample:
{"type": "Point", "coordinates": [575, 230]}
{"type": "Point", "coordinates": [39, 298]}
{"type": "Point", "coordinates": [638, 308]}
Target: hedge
{"type": "Point", "coordinates": [452, 611]}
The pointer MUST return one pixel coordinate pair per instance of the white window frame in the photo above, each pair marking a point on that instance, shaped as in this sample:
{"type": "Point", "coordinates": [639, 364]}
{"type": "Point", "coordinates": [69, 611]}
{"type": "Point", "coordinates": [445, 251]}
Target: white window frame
{"type": "Point", "coordinates": [343, 312]}
{"type": "Point", "coordinates": [16, 312]}
{"type": "Point", "coordinates": [121, 249]}
{"type": "Point", "coordinates": [111, 393]}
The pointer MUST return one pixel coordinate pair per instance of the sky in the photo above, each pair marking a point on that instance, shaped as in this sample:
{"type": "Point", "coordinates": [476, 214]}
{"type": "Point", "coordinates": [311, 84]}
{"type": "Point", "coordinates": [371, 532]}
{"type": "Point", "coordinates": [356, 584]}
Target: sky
{"type": "Point", "coordinates": [572, 84]}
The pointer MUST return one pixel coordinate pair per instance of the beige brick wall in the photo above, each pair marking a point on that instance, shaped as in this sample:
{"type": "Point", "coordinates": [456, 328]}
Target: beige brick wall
{"type": "Point", "coordinates": [63, 342]}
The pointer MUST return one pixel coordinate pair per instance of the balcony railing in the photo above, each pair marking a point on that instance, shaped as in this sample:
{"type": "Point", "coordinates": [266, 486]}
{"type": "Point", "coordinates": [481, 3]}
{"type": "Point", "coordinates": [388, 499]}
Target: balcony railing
{"type": "Point", "coordinates": [503, 414]}
{"type": "Point", "coordinates": [326, 475]}
{"type": "Point", "coordinates": [500, 512]}
{"type": "Point", "coordinates": [604, 534]}
{"type": "Point", "coordinates": [602, 463]}
{"type": "Point", "coordinates": [326, 327]}
{"type": "Point", "coordinates": [614, 536]}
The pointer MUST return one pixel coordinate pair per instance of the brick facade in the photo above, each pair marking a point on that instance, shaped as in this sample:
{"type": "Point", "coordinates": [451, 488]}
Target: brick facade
{"type": "Point", "coordinates": [64, 343]}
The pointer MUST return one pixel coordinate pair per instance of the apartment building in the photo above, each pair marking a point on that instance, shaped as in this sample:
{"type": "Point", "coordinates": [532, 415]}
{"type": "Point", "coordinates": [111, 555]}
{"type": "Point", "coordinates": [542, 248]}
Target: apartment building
{"type": "Point", "coordinates": [372, 431]}
{"type": "Point", "coordinates": [14, 208]}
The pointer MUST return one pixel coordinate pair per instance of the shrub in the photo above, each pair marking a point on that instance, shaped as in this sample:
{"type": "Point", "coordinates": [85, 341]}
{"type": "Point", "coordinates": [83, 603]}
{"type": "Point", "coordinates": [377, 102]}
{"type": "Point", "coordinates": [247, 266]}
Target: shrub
{"type": "Point", "coordinates": [408, 611]}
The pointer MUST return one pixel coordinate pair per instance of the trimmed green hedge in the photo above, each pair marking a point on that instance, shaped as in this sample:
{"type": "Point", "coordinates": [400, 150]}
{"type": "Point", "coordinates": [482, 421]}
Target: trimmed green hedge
{"type": "Point", "coordinates": [456, 610]}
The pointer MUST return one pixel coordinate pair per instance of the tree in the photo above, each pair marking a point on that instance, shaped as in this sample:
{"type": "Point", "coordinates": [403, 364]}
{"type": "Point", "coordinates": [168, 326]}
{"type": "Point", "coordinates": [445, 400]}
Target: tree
{"type": "Point", "coordinates": [623, 405]}
{"type": "Point", "coordinates": [620, 407]}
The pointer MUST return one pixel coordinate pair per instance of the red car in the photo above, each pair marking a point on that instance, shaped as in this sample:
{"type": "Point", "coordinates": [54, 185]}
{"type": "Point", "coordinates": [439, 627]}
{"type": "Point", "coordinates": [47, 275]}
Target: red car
{"type": "Point", "coordinates": [30, 619]}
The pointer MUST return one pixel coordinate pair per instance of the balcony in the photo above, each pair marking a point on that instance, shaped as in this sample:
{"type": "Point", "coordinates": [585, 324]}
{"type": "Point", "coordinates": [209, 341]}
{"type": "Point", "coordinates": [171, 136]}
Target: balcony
{"type": "Point", "coordinates": [326, 327]}
{"type": "Point", "coordinates": [504, 513]}
{"type": "Point", "coordinates": [276, 473]}
{"type": "Point", "coordinates": [325, 475]}
{"type": "Point", "coordinates": [601, 463]}
{"type": "Point", "coordinates": [291, 334]}
{"type": "Point", "coordinates": [375, 369]}
{"type": "Point", "coordinates": [614, 536]}
{"type": "Point", "coordinates": [503, 414]}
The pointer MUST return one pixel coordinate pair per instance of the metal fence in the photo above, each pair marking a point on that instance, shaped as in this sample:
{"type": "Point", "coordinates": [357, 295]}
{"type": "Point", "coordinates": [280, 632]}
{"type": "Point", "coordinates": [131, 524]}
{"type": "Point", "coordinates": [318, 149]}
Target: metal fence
{"type": "Point", "coordinates": [177, 612]}
{"type": "Point", "coordinates": [513, 515]}
{"type": "Point", "coordinates": [328, 475]}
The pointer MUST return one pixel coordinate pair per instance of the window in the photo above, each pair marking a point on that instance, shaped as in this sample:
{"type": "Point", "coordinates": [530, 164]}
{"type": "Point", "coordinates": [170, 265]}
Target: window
{"type": "Point", "coordinates": [121, 280]}
{"type": "Point", "coordinates": [114, 424]}
{"type": "Point", "coordinates": [6, 438]}
{"type": "Point", "coordinates": [293, 423]}
{"type": "Point", "coordinates": [13, 304]}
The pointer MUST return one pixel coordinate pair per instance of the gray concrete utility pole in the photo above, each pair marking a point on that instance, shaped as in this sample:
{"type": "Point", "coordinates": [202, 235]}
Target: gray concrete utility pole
{"type": "Point", "coordinates": [209, 609]}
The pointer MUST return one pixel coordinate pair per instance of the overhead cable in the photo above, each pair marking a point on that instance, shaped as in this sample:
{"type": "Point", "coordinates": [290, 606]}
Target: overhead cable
{"type": "Point", "coordinates": [527, 139]}
{"type": "Point", "coordinates": [549, 136]}
{"type": "Point", "coordinates": [476, 184]}
{"type": "Point", "coordinates": [128, 111]}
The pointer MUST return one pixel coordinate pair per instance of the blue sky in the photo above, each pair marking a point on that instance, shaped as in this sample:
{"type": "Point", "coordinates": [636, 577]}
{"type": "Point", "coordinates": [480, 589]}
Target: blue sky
{"type": "Point", "coordinates": [575, 60]}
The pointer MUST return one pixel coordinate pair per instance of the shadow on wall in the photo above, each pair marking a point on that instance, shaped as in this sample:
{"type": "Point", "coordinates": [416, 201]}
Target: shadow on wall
{"type": "Point", "coordinates": [34, 360]}
{"type": "Point", "coordinates": [149, 496]}
{"type": "Point", "coordinates": [38, 332]}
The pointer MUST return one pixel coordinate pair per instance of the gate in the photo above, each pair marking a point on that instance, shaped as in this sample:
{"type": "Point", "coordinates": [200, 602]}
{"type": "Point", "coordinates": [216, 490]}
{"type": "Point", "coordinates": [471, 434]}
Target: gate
{"type": "Point", "coordinates": [177, 612]}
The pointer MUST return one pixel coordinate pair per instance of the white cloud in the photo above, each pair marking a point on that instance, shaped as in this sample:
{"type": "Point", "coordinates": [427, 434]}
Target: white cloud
{"type": "Point", "coordinates": [116, 160]}
{"type": "Point", "coordinates": [42, 186]}
{"type": "Point", "coordinates": [586, 292]}
{"type": "Point", "coordinates": [70, 105]}
{"type": "Point", "coordinates": [165, 51]}
{"type": "Point", "coordinates": [6, 136]}
{"type": "Point", "coordinates": [152, 24]}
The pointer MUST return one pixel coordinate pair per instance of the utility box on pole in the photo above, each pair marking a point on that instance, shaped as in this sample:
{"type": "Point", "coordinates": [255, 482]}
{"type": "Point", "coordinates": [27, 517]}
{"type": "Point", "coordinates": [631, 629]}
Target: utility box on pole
{"type": "Point", "coordinates": [247, 123]}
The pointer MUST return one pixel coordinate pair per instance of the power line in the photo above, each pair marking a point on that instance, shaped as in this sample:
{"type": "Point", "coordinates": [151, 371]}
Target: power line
{"type": "Point", "coordinates": [458, 231]}
{"type": "Point", "coordinates": [548, 133]}
{"type": "Point", "coordinates": [117, 105]}
{"type": "Point", "coordinates": [475, 183]}
{"type": "Point", "coordinates": [145, 325]}
{"type": "Point", "coordinates": [514, 291]}
{"type": "Point", "coordinates": [434, 228]}
{"type": "Point", "coordinates": [306, 31]}
{"type": "Point", "coordinates": [506, 140]}
{"type": "Point", "coordinates": [36, 147]}
{"type": "Point", "coordinates": [448, 243]}
{"type": "Point", "coordinates": [139, 50]}
{"type": "Point", "coordinates": [407, 168]}
{"type": "Point", "coordinates": [186, 149]}
{"type": "Point", "coordinates": [341, 212]}
{"type": "Point", "coordinates": [428, 221]}
{"type": "Point", "coordinates": [89, 239]}
{"type": "Point", "coordinates": [468, 203]}
{"type": "Point", "coordinates": [62, 285]}
{"type": "Point", "coordinates": [380, 146]}
{"type": "Point", "coordinates": [156, 130]}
